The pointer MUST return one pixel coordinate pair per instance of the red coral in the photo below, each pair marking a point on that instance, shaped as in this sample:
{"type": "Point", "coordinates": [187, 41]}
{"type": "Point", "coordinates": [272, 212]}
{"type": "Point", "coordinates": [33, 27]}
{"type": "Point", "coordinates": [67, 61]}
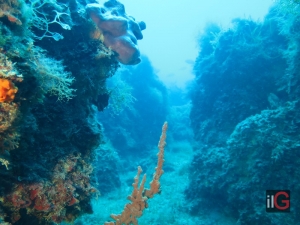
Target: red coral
{"type": "Point", "coordinates": [19, 198]}
{"type": "Point", "coordinates": [41, 204]}
{"type": "Point", "coordinates": [73, 201]}
{"type": "Point", "coordinates": [33, 194]}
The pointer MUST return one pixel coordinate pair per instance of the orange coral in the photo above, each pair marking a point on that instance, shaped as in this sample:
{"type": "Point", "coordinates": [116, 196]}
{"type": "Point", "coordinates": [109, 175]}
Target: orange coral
{"type": "Point", "coordinates": [139, 195]}
{"type": "Point", "coordinates": [7, 90]}
{"type": "Point", "coordinates": [155, 184]}
{"type": "Point", "coordinates": [8, 11]}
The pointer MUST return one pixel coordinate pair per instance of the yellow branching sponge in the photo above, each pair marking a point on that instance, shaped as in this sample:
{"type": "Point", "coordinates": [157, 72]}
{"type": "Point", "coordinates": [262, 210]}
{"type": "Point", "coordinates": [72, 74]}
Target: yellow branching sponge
{"type": "Point", "coordinates": [139, 195]}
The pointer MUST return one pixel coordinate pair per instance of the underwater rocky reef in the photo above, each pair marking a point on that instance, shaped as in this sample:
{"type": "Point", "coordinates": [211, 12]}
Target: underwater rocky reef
{"type": "Point", "coordinates": [54, 62]}
{"type": "Point", "coordinates": [246, 118]}
{"type": "Point", "coordinates": [59, 148]}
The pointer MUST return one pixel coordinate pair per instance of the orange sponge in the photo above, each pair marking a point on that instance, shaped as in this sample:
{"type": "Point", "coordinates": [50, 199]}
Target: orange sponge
{"type": "Point", "coordinates": [7, 90]}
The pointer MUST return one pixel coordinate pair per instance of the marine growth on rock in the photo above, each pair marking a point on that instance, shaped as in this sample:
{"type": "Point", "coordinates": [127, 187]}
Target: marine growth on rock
{"type": "Point", "coordinates": [120, 31]}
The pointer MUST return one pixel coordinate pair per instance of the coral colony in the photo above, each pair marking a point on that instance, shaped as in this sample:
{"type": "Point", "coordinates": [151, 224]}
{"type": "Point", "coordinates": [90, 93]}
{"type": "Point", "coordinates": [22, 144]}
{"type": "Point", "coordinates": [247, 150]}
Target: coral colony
{"type": "Point", "coordinates": [140, 195]}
